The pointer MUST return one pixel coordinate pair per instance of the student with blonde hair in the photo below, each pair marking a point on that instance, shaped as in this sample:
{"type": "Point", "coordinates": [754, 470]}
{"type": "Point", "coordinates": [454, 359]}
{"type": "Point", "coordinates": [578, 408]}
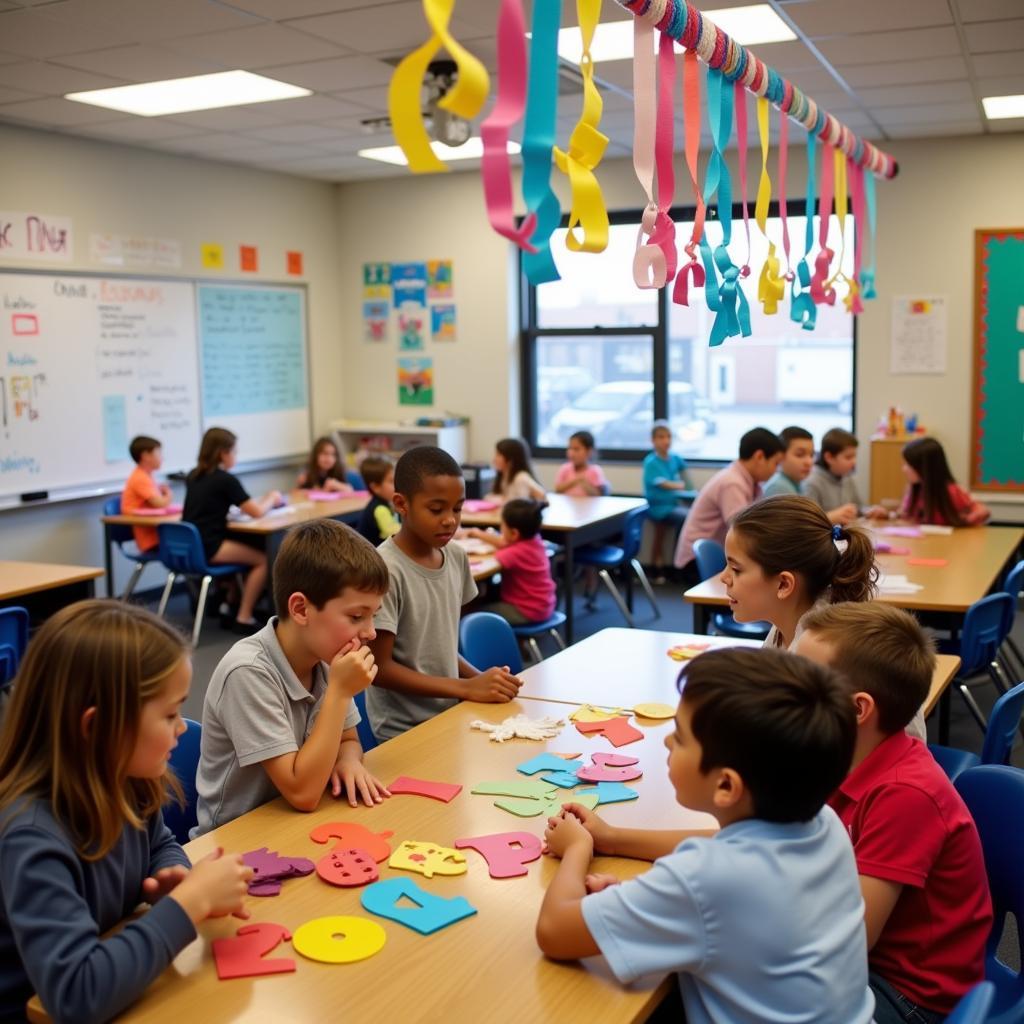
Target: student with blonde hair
{"type": "Point", "coordinates": [94, 716]}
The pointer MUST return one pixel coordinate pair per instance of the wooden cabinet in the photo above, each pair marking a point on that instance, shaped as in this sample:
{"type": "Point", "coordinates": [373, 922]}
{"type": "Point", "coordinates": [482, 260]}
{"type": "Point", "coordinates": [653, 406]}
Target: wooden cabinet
{"type": "Point", "coordinates": [887, 479]}
{"type": "Point", "coordinates": [359, 436]}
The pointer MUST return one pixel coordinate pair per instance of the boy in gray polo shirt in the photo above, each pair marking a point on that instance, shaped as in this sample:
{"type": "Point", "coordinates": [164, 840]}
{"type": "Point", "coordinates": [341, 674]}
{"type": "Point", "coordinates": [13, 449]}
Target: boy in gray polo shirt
{"type": "Point", "coordinates": [417, 645]}
{"type": "Point", "coordinates": [278, 718]}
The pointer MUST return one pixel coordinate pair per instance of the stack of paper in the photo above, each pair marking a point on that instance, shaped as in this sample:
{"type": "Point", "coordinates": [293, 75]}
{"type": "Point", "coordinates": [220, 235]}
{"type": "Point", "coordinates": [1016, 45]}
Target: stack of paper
{"type": "Point", "coordinates": [896, 584]}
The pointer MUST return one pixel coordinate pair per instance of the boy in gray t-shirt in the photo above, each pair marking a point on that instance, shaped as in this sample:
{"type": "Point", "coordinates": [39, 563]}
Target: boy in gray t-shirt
{"type": "Point", "coordinates": [417, 645]}
{"type": "Point", "coordinates": [278, 718]}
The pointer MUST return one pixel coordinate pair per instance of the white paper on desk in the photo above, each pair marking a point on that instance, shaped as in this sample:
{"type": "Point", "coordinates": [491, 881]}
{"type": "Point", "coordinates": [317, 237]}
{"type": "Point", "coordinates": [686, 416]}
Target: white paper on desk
{"type": "Point", "coordinates": [939, 531]}
{"type": "Point", "coordinates": [897, 584]}
{"type": "Point", "coordinates": [474, 546]}
{"type": "Point", "coordinates": [236, 515]}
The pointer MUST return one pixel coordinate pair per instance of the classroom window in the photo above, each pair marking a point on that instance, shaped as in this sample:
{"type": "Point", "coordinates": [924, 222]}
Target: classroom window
{"type": "Point", "coordinates": [599, 354]}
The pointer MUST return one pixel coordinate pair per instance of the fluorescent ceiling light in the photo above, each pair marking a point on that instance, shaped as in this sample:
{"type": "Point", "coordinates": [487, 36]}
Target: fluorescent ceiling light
{"type": "Point", "coordinates": [751, 25]}
{"type": "Point", "coordinates": [199, 92]}
{"type": "Point", "coordinates": [997, 107]}
{"type": "Point", "coordinates": [470, 150]}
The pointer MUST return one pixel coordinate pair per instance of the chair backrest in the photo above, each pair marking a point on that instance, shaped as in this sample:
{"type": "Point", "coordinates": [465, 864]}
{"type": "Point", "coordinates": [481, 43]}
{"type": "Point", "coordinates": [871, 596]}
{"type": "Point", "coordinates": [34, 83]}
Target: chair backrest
{"type": "Point", "coordinates": [13, 638]}
{"type": "Point", "coordinates": [486, 640]}
{"type": "Point", "coordinates": [185, 762]}
{"type": "Point", "coordinates": [710, 558]}
{"type": "Point", "coordinates": [1002, 726]}
{"type": "Point", "coordinates": [633, 532]}
{"type": "Point", "coordinates": [994, 794]}
{"type": "Point", "coordinates": [1015, 582]}
{"type": "Point", "coordinates": [118, 534]}
{"type": "Point", "coordinates": [8, 664]}
{"type": "Point", "coordinates": [181, 550]}
{"type": "Point", "coordinates": [986, 625]}
{"type": "Point", "coordinates": [355, 480]}
{"type": "Point", "coordinates": [974, 1007]}
{"type": "Point", "coordinates": [366, 738]}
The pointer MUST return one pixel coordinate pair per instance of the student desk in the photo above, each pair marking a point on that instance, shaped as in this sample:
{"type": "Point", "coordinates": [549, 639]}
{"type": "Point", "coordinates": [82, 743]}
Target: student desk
{"type": "Point", "coordinates": [486, 967]}
{"type": "Point", "coordinates": [572, 522]}
{"type": "Point", "coordinates": [42, 588]}
{"type": "Point", "coordinates": [273, 525]}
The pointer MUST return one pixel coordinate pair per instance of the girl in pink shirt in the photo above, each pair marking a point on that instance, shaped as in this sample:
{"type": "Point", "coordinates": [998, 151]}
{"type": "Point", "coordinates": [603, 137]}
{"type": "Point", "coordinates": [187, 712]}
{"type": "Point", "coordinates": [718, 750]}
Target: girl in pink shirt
{"type": "Point", "coordinates": [579, 477]}
{"type": "Point", "coordinates": [932, 495]}
{"type": "Point", "coordinates": [527, 589]}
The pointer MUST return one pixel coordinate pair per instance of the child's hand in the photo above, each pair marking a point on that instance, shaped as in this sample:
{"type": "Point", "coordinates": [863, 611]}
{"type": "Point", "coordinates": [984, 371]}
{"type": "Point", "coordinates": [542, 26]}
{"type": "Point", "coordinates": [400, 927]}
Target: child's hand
{"type": "Point", "coordinates": [163, 882]}
{"type": "Point", "coordinates": [215, 887]}
{"type": "Point", "coordinates": [596, 883]}
{"type": "Point", "coordinates": [358, 782]}
{"type": "Point", "coordinates": [495, 686]}
{"type": "Point", "coordinates": [844, 515]}
{"type": "Point", "coordinates": [564, 832]}
{"type": "Point", "coordinates": [353, 668]}
{"type": "Point", "coordinates": [600, 831]}
{"type": "Point", "coordinates": [877, 512]}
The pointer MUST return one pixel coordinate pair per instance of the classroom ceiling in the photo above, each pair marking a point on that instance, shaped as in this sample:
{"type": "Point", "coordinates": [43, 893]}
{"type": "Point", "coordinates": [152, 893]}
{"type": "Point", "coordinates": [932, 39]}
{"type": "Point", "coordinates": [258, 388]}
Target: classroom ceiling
{"type": "Point", "coordinates": [890, 69]}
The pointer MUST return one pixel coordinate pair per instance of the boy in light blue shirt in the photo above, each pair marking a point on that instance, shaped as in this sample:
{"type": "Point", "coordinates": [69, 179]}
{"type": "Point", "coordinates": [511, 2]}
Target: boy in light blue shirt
{"type": "Point", "coordinates": [797, 462]}
{"type": "Point", "coordinates": [665, 477]}
{"type": "Point", "coordinates": [763, 921]}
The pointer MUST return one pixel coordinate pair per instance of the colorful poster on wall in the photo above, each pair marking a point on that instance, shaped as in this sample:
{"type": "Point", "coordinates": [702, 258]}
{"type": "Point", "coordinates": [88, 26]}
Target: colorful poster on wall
{"type": "Point", "coordinates": [377, 281]}
{"type": "Point", "coordinates": [442, 322]}
{"type": "Point", "coordinates": [409, 283]}
{"type": "Point", "coordinates": [293, 262]}
{"type": "Point", "coordinates": [439, 279]}
{"type": "Point", "coordinates": [415, 380]}
{"type": "Point", "coordinates": [376, 316]}
{"type": "Point", "coordinates": [212, 255]}
{"type": "Point", "coordinates": [249, 258]}
{"type": "Point", "coordinates": [412, 326]}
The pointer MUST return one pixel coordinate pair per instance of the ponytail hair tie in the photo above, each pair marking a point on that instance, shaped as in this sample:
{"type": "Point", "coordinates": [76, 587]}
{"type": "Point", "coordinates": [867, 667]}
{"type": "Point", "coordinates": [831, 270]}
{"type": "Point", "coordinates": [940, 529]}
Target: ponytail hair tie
{"type": "Point", "coordinates": [837, 532]}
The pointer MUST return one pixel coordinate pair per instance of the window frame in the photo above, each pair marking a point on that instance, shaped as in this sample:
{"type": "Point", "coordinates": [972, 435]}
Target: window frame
{"type": "Point", "coordinates": [529, 333]}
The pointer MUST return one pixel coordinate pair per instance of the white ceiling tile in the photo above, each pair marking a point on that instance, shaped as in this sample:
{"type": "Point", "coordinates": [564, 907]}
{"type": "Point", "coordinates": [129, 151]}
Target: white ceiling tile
{"type": "Point", "coordinates": [139, 21]}
{"type": "Point", "coordinates": [858, 120]}
{"type": "Point", "coordinates": [227, 119]}
{"type": "Point", "coordinates": [924, 114]}
{"type": "Point", "coordinates": [994, 65]}
{"type": "Point", "coordinates": [935, 129]}
{"type": "Point", "coordinates": [293, 133]}
{"type": "Point", "coordinates": [142, 63]}
{"type": "Point", "coordinates": [139, 129]}
{"type": "Point", "coordinates": [357, 140]}
{"type": "Point", "coordinates": [52, 79]}
{"type": "Point", "coordinates": [54, 112]}
{"type": "Point", "coordinates": [334, 75]}
{"type": "Point", "coordinates": [1010, 85]}
{"type": "Point", "coordinates": [880, 47]}
{"type": "Point", "coordinates": [933, 69]}
{"type": "Point", "coordinates": [374, 99]}
{"type": "Point", "coordinates": [16, 95]}
{"type": "Point", "coordinates": [40, 33]}
{"type": "Point", "coordinates": [829, 17]}
{"type": "Point", "coordinates": [256, 47]}
{"type": "Point", "coordinates": [909, 95]}
{"type": "Point", "coordinates": [280, 10]}
{"type": "Point", "coordinates": [210, 143]}
{"type": "Point", "coordinates": [306, 108]}
{"type": "Point", "coordinates": [1007, 124]}
{"type": "Point", "coordinates": [279, 152]}
{"type": "Point", "coordinates": [787, 56]}
{"type": "Point", "coordinates": [988, 10]}
{"type": "Point", "coordinates": [995, 36]}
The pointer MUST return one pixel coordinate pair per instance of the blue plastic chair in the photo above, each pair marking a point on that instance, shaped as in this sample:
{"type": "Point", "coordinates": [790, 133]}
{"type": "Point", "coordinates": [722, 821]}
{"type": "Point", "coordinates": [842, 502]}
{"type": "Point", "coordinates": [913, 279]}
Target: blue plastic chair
{"type": "Point", "coordinates": [1013, 586]}
{"type": "Point", "coordinates": [994, 794]}
{"type": "Point", "coordinates": [366, 738]}
{"type": "Point", "coordinates": [529, 632]}
{"type": "Point", "coordinates": [122, 535]}
{"type": "Point", "coordinates": [710, 558]}
{"type": "Point", "coordinates": [355, 480]}
{"type": "Point", "coordinates": [986, 626]}
{"type": "Point", "coordinates": [185, 762]}
{"type": "Point", "coordinates": [609, 558]}
{"type": "Point", "coordinates": [486, 640]}
{"type": "Point", "coordinates": [181, 551]}
{"type": "Point", "coordinates": [1003, 724]}
{"type": "Point", "coordinates": [13, 641]}
{"type": "Point", "coordinates": [974, 1007]}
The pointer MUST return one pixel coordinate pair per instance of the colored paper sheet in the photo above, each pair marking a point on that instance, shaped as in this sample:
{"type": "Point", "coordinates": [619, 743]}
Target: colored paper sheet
{"type": "Point", "coordinates": [439, 279]}
{"type": "Point", "coordinates": [212, 255]}
{"type": "Point", "coordinates": [377, 281]}
{"type": "Point", "coordinates": [932, 563]}
{"type": "Point", "coordinates": [249, 258]}
{"type": "Point", "coordinates": [115, 428]}
{"type": "Point", "coordinates": [411, 327]}
{"type": "Point", "coordinates": [442, 323]}
{"type": "Point", "coordinates": [293, 262]}
{"type": "Point", "coordinates": [415, 381]}
{"type": "Point", "coordinates": [376, 317]}
{"type": "Point", "coordinates": [409, 284]}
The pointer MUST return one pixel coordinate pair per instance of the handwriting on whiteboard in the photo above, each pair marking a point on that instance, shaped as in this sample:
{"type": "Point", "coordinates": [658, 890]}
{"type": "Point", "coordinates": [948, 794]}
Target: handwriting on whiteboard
{"type": "Point", "coordinates": [35, 236]}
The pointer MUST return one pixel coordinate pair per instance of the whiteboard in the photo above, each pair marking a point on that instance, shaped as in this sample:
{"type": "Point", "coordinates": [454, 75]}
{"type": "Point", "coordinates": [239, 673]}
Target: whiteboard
{"type": "Point", "coordinates": [90, 361]}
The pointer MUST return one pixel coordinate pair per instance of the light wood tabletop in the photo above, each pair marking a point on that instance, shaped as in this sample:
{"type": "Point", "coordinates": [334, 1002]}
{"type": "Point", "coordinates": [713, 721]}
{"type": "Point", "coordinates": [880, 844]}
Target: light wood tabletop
{"type": "Point", "coordinates": [20, 578]}
{"type": "Point", "coordinates": [565, 513]}
{"type": "Point", "coordinates": [486, 967]}
{"type": "Point", "coordinates": [946, 666]}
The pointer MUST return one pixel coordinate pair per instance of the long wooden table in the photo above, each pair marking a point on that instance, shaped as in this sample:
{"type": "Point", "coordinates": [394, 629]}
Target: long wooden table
{"type": "Point", "coordinates": [486, 967]}
{"type": "Point", "coordinates": [572, 522]}
{"type": "Point", "coordinates": [42, 588]}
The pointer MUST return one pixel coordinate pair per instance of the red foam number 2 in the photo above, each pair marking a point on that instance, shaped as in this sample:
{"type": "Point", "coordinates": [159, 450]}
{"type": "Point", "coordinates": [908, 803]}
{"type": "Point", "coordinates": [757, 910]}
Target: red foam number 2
{"type": "Point", "coordinates": [242, 956]}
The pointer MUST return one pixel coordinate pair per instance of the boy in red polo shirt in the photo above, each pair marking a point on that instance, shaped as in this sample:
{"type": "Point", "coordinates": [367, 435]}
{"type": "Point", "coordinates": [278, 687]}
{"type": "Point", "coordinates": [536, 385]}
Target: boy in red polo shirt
{"type": "Point", "coordinates": [927, 908]}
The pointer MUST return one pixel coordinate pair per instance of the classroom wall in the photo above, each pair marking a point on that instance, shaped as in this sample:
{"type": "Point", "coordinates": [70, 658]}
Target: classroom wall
{"type": "Point", "coordinates": [108, 188]}
{"type": "Point", "coordinates": [946, 188]}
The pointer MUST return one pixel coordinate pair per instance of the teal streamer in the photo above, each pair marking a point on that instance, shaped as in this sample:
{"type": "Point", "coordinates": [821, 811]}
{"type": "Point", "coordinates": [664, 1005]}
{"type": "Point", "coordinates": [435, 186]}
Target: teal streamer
{"type": "Point", "coordinates": [802, 309]}
{"type": "Point", "coordinates": [867, 273]}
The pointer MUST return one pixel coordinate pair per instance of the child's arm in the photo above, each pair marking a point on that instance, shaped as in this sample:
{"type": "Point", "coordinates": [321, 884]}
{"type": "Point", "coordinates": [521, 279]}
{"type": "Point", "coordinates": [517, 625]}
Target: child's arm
{"type": "Point", "coordinates": [160, 498]}
{"type": "Point", "coordinates": [562, 932]}
{"type": "Point", "coordinates": [350, 772]}
{"type": "Point", "coordinates": [260, 507]}
{"type": "Point", "coordinates": [880, 896]}
{"type": "Point", "coordinates": [537, 492]}
{"type": "Point", "coordinates": [636, 843]}
{"type": "Point", "coordinates": [491, 537]}
{"type": "Point", "coordinates": [495, 686]}
{"type": "Point", "coordinates": [301, 776]}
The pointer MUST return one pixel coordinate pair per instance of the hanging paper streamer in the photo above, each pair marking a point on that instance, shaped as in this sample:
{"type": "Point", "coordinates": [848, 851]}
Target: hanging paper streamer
{"type": "Point", "coordinates": [664, 235]}
{"type": "Point", "coordinates": [649, 268]}
{"type": "Point", "coordinates": [539, 140]}
{"type": "Point", "coordinates": [783, 171]}
{"type": "Point", "coordinates": [802, 309]}
{"type": "Point", "coordinates": [770, 286]}
{"type": "Point", "coordinates": [867, 275]}
{"type": "Point", "coordinates": [691, 124]}
{"type": "Point", "coordinates": [495, 168]}
{"type": "Point", "coordinates": [857, 202]}
{"type": "Point", "coordinates": [842, 202]}
{"type": "Point", "coordinates": [740, 102]}
{"type": "Point", "coordinates": [821, 288]}
{"type": "Point", "coordinates": [586, 148]}
{"type": "Point", "coordinates": [465, 99]}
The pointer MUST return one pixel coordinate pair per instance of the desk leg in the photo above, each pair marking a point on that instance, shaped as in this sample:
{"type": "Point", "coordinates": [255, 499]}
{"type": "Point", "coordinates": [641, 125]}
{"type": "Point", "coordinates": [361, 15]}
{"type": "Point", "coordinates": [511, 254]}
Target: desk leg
{"type": "Point", "coordinates": [701, 618]}
{"type": "Point", "coordinates": [944, 705]}
{"type": "Point", "coordinates": [570, 588]}
{"type": "Point", "coordinates": [108, 559]}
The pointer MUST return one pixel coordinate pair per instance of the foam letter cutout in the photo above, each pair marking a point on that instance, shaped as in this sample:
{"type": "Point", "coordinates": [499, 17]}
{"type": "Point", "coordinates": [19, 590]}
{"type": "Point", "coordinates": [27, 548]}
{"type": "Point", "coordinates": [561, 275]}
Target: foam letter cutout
{"type": "Point", "coordinates": [339, 940]}
{"type": "Point", "coordinates": [428, 859]}
{"type": "Point", "coordinates": [613, 760]}
{"type": "Point", "coordinates": [271, 869]}
{"type": "Point", "coordinates": [531, 789]}
{"type": "Point", "coordinates": [566, 780]}
{"type": "Point", "coordinates": [610, 793]}
{"type": "Point", "coordinates": [548, 762]}
{"type": "Point", "coordinates": [617, 731]}
{"type": "Point", "coordinates": [347, 868]}
{"type": "Point", "coordinates": [443, 791]}
{"type": "Point", "coordinates": [600, 773]}
{"type": "Point", "coordinates": [351, 836]}
{"type": "Point", "coordinates": [431, 913]}
{"type": "Point", "coordinates": [590, 713]}
{"type": "Point", "coordinates": [655, 711]}
{"type": "Point", "coordinates": [242, 957]}
{"type": "Point", "coordinates": [547, 807]}
{"type": "Point", "coordinates": [506, 853]}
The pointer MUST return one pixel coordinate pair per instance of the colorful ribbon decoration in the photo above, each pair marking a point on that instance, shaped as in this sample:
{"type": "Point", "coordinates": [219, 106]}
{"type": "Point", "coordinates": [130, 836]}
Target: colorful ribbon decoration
{"type": "Point", "coordinates": [586, 148]}
{"type": "Point", "coordinates": [770, 286]}
{"type": "Point", "coordinates": [495, 169]}
{"type": "Point", "coordinates": [539, 141]}
{"type": "Point", "coordinates": [742, 133]}
{"type": "Point", "coordinates": [842, 204]}
{"type": "Point", "coordinates": [801, 306]}
{"type": "Point", "coordinates": [783, 172]}
{"type": "Point", "coordinates": [821, 288]}
{"type": "Point", "coordinates": [857, 201]}
{"type": "Point", "coordinates": [664, 235]}
{"type": "Point", "coordinates": [691, 125]}
{"type": "Point", "coordinates": [465, 98]}
{"type": "Point", "coordinates": [867, 275]}
{"type": "Point", "coordinates": [649, 268]}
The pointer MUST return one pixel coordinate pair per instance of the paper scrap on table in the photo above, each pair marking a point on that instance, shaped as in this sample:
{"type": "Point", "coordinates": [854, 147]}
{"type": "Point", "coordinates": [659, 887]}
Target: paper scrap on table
{"type": "Point", "coordinates": [882, 548]}
{"type": "Point", "coordinates": [897, 585]}
{"type": "Point", "coordinates": [933, 563]}
{"type": "Point", "coordinates": [315, 495]}
{"type": "Point", "coordinates": [681, 652]}
{"type": "Point", "coordinates": [902, 531]}
{"type": "Point", "coordinates": [935, 530]}
{"type": "Point", "coordinates": [522, 727]}
{"type": "Point", "coordinates": [592, 713]}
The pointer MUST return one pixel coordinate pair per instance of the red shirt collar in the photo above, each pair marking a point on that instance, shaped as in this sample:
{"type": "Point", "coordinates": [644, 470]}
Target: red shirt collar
{"type": "Point", "coordinates": [887, 754]}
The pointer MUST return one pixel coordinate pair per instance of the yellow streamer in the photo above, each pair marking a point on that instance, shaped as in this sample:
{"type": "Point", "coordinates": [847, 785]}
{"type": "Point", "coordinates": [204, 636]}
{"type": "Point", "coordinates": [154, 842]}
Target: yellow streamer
{"type": "Point", "coordinates": [465, 99]}
{"type": "Point", "coordinates": [853, 289]}
{"type": "Point", "coordinates": [586, 148]}
{"type": "Point", "coordinates": [771, 286]}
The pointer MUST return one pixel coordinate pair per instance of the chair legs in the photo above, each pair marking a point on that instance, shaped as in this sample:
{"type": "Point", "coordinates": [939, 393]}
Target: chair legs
{"type": "Point", "coordinates": [133, 580]}
{"type": "Point", "coordinates": [606, 579]}
{"type": "Point", "coordinates": [972, 706]}
{"type": "Point", "coordinates": [646, 584]}
{"type": "Point", "coordinates": [531, 642]}
{"type": "Point", "coordinates": [1016, 653]}
{"type": "Point", "coordinates": [558, 638]}
{"type": "Point", "coordinates": [166, 595]}
{"type": "Point", "coordinates": [204, 589]}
